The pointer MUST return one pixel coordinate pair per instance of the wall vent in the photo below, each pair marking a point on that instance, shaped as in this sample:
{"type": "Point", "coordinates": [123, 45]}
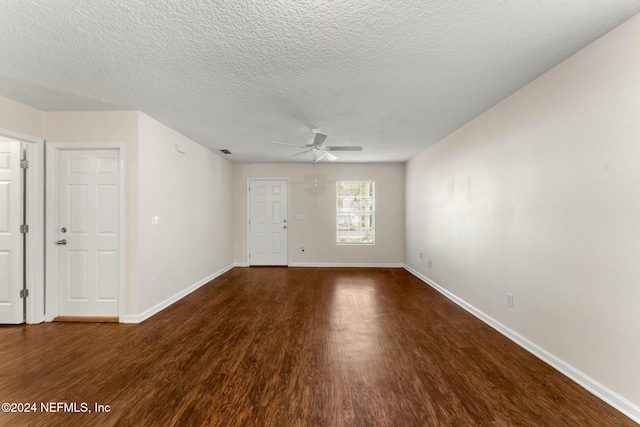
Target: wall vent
{"type": "Point", "coordinates": [225, 151]}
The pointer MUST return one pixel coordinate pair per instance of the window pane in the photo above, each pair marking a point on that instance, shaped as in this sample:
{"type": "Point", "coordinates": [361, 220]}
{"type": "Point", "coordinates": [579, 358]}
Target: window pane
{"type": "Point", "coordinates": [355, 207]}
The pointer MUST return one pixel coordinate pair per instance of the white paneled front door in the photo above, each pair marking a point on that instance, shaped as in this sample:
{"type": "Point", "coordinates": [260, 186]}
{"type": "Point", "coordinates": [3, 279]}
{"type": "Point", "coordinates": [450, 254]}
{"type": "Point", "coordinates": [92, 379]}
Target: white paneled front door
{"type": "Point", "coordinates": [87, 233]}
{"type": "Point", "coordinates": [11, 240]}
{"type": "Point", "coordinates": [268, 226]}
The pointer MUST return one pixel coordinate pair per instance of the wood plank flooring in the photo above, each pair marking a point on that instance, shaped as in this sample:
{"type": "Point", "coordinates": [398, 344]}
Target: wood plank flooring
{"type": "Point", "coordinates": [292, 347]}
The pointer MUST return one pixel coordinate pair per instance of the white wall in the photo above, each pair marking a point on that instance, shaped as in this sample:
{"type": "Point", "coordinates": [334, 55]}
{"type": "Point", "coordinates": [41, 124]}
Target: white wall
{"type": "Point", "coordinates": [192, 194]}
{"type": "Point", "coordinates": [108, 126]}
{"type": "Point", "coordinates": [317, 233]}
{"type": "Point", "coordinates": [540, 196]}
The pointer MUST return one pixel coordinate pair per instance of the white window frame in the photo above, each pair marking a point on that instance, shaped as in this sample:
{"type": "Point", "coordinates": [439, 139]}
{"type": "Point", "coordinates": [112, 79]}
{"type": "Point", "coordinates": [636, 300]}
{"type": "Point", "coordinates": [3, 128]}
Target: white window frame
{"type": "Point", "coordinates": [340, 212]}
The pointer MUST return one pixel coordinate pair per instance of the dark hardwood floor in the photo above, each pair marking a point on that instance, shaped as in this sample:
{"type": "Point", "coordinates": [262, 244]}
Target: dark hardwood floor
{"type": "Point", "coordinates": [292, 347]}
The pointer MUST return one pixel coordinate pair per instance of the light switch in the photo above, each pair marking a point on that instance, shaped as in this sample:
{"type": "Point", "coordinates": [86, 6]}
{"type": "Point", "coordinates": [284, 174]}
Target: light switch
{"type": "Point", "coordinates": [155, 220]}
{"type": "Point", "coordinates": [301, 217]}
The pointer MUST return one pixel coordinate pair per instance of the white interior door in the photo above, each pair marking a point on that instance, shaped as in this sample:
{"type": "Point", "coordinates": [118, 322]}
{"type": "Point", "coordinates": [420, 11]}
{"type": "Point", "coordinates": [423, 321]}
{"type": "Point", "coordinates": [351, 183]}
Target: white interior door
{"type": "Point", "coordinates": [11, 240]}
{"type": "Point", "coordinates": [268, 226]}
{"type": "Point", "coordinates": [88, 229]}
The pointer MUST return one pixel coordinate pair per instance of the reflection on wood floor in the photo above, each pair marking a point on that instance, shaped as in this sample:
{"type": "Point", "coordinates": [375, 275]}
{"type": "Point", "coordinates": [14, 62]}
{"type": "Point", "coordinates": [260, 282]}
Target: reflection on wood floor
{"type": "Point", "coordinates": [292, 347]}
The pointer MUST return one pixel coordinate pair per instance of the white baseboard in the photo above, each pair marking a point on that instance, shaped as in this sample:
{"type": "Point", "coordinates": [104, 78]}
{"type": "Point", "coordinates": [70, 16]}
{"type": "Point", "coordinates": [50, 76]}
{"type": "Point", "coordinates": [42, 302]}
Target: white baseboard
{"type": "Point", "coordinates": [331, 264]}
{"type": "Point", "coordinates": [345, 264]}
{"type": "Point", "coordinates": [619, 402]}
{"type": "Point", "coordinates": [166, 303]}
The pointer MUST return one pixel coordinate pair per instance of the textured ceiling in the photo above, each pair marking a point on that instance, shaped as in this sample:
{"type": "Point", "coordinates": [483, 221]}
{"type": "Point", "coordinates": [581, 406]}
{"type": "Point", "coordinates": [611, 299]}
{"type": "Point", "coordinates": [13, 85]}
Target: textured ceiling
{"type": "Point", "coordinates": [391, 75]}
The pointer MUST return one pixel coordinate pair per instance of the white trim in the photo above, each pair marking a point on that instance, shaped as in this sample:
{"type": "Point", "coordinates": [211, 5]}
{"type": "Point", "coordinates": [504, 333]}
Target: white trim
{"type": "Point", "coordinates": [347, 264]}
{"type": "Point", "coordinates": [249, 214]}
{"type": "Point", "coordinates": [166, 303]}
{"type": "Point", "coordinates": [20, 136]}
{"type": "Point", "coordinates": [35, 238]}
{"type": "Point", "coordinates": [36, 221]}
{"type": "Point", "coordinates": [51, 257]}
{"type": "Point", "coordinates": [332, 264]}
{"type": "Point", "coordinates": [52, 180]}
{"type": "Point", "coordinates": [619, 402]}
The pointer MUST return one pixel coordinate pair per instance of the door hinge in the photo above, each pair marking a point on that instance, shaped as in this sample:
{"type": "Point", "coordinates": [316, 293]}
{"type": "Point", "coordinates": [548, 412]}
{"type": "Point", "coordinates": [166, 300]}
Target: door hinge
{"type": "Point", "coordinates": [24, 229]}
{"type": "Point", "coordinates": [249, 254]}
{"type": "Point", "coordinates": [24, 164]}
{"type": "Point", "coordinates": [249, 189]}
{"type": "Point", "coordinates": [24, 293]}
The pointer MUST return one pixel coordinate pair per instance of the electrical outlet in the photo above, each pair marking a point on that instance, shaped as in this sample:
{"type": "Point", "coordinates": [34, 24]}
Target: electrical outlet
{"type": "Point", "coordinates": [154, 284]}
{"type": "Point", "coordinates": [429, 263]}
{"type": "Point", "coordinates": [509, 299]}
{"type": "Point", "coordinates": [421, 255]}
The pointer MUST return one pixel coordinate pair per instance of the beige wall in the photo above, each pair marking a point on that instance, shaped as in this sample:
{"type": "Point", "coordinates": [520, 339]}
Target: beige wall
{"type": "Point", "coordinates": [20, 118]}
{"type": "Point", "coordinates": [108, 126]}
{"type": "Point", "coordinates": [317, 233]}
{"type": "Point", "coordinates": [540, 196]}
{"type": "Point", "coordinates": [192, 194]}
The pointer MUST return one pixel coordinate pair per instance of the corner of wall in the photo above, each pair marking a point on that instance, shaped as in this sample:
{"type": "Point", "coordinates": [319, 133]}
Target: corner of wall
{"type": "Point", "coordinates": [21, 119]}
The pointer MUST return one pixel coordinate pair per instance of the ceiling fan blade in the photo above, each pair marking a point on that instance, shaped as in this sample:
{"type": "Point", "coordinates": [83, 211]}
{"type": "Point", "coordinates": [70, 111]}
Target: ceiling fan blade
{"type": "Point", "coordinates": [344, 148]}
{"type": "Point", "coordinates": [318, 140]}
{"type": "Point", "coordinates": [302, 153]}
{"type": "Point", "coordinates": [290, 145]}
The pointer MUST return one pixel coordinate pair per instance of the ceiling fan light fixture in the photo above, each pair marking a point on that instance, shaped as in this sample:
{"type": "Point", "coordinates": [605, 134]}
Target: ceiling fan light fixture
{"type": "Point", "coordinates": [318, 150]}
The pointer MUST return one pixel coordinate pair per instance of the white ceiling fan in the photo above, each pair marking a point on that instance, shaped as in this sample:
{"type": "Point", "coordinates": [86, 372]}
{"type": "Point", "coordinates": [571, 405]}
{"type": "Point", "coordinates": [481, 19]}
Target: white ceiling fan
{"type": "Point", "coordinates": [318, 150]}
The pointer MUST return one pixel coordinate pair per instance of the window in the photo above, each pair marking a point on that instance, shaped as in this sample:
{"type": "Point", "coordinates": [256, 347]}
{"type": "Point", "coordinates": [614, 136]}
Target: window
{"type": "Point", "coordinates": [355, 202]}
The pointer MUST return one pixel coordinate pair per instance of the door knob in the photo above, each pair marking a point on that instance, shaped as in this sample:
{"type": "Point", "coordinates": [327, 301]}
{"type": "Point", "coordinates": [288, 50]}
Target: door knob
{"type": "Point", "coordinates": [284, 226]}
{"type": "Point", "coordinates": [61, 242]}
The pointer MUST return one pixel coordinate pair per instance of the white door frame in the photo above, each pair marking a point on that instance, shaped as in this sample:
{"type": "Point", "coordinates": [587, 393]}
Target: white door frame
{"type": "Point", "coordinates": [53, 180]}
{"type": "Point", "coordinates": [249, 180]}
{"type": "Point", "coordinates": [35, 219]}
